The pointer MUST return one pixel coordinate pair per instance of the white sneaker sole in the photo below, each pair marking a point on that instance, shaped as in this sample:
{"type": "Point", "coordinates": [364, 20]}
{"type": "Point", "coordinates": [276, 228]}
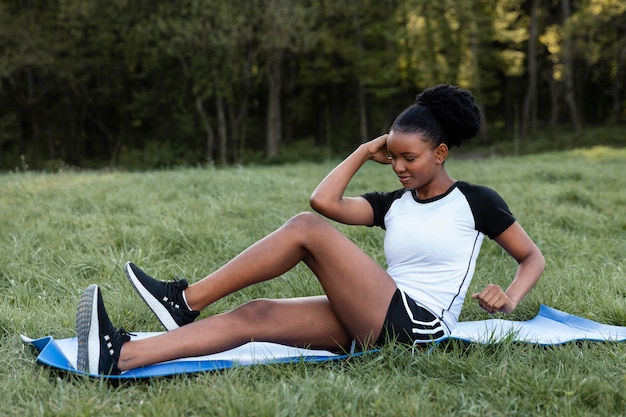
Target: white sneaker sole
{"type": "Point", "coordinates": [87, 331]}
{"type": "Point", "coordinates": [153, 303]}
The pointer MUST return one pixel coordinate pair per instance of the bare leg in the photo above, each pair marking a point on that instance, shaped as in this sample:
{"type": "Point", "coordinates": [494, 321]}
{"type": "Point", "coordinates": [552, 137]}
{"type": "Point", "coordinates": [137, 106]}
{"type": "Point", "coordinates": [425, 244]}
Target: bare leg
{"type": "Point", "coordinates": [358, 292]}
{"type": "Point", "coordinates": [305, 322]}
{"type": "Point", "coordinates": [358, 288]}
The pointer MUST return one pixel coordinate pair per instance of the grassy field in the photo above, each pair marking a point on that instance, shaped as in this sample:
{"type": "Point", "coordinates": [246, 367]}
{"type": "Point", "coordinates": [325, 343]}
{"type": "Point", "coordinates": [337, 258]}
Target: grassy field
{"type": "Point", "coordinates": [64, 231]}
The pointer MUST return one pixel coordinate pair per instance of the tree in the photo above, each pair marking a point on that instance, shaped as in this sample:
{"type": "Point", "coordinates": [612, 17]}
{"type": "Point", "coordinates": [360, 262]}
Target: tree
{"type": "Point", "coordinates": [152, 83]}
{"type": "Point", "coordinates": [283, 27]}
{"type": "Point", "coordinates": [471, 44]}
{"type": "Point", "coordinates": [529, 111]}
{"type": "Point", "coordinates": [209, 41]}
{"type": "Point", "coordinates": [568, 69]}
{"type": "Point", "coordinates": [597, 31]}
{"type": "Point", "coordinates": [97, 71]}
{"type": "Point", "coordinates": [27, 77]}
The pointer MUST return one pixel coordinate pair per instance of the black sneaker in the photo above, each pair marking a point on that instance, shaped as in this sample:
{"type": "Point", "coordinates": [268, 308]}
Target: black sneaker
{"type": "Point", "coordinates": [165, 299]}
{"type": "Point", "coordinates": [99, 343]}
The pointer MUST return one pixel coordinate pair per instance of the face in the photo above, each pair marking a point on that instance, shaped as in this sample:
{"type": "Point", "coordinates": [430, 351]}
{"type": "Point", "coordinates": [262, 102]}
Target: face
{"type": "Point", "coordinates": [414, 160]}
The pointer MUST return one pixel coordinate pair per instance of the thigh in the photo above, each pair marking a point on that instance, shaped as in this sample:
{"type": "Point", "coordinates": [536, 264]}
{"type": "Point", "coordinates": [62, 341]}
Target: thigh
{"type": "Point", "coordinates": [308, 322]}
{"type": "Point", "coordinates": [358, 288]}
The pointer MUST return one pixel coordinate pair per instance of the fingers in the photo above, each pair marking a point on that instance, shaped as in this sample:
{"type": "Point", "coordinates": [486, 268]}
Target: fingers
{"type": "Point", "coordinates": [378, 149]}
{"type": "Point", "coordinates": [492, 299]}
{"type": "Point", "coordinates": [378, 144]}
{"type": "Point", "coordinates": [382, 138]}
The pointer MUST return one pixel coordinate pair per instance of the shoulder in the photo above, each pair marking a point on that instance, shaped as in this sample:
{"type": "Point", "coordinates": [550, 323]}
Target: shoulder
{"type": "Point", "coordinates": [376, 196]}
{"type": "Point", "coordinates": [480, 196]}
{"type": "Point", "coordinates": [381, 202]}
{"type": "Point", "coordinates": [491, 213]}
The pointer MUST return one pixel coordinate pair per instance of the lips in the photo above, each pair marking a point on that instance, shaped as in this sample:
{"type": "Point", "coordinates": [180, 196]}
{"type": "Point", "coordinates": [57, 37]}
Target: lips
{"type": "Point", "coordinates": [404, 180]}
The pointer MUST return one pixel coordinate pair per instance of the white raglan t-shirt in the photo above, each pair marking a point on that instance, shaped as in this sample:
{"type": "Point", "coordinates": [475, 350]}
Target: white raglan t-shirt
{"type": "Point", "coordinates": [431, 246]}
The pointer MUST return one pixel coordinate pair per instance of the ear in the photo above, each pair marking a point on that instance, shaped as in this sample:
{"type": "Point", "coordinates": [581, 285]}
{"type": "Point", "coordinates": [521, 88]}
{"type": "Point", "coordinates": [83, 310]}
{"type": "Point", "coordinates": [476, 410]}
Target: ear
{"type": "Point", "coordinates": [441, 153]}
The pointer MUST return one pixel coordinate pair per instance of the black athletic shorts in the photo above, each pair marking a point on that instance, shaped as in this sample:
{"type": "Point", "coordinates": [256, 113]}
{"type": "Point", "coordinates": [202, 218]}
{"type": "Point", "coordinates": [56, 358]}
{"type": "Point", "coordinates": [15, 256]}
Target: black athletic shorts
{"type": "Point", "coordinates": [406, 322]}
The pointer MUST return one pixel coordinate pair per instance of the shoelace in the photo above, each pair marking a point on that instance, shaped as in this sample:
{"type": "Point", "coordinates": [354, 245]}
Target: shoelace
{"type": "Point", "coordinates": [115, 338]}
{"type": "Point", "coordinates": [172, 293]}
{"type": "Point", "coordinates": [124, 333]}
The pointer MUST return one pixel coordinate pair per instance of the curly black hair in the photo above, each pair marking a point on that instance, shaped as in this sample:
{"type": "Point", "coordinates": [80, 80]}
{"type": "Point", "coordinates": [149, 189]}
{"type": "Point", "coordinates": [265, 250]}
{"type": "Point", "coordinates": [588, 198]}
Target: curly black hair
{"type": "Point", "coordinates": [443, 114]}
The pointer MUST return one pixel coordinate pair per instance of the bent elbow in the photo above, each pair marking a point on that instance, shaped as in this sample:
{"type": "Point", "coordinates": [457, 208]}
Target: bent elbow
{"type": "Point", "coordinates": [314, 203]}
{"type": "Point", "coordinates": [318, 204]}
{"type": "Point", "coordinates": [537, 261]}
{"type": "Point", "coordinates": [541, 260]}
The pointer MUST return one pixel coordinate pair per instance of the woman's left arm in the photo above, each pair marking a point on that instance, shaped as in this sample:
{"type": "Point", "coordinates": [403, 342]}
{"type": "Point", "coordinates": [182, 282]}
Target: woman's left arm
{"type": "Point", "coordinates": [531, 264]}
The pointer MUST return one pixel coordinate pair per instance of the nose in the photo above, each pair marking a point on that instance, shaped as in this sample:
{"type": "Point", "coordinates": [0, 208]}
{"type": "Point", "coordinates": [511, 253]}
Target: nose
{"type": "Point", "coordinates": [397, 166]}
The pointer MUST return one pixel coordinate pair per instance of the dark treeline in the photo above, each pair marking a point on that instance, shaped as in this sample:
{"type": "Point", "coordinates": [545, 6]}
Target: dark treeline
{"type": "Point", "coordinates": [152, 83]}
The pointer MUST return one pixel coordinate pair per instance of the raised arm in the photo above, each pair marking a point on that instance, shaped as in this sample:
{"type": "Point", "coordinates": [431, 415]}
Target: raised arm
{"type": "Point", "coordinates": [530, 267]}
{"type": "Point", "coordinates": [328, 198]}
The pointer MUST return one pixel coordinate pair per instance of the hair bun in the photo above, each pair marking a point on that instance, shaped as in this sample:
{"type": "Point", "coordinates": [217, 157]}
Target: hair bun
{"type": "Point", "coordinates": [455, 109]}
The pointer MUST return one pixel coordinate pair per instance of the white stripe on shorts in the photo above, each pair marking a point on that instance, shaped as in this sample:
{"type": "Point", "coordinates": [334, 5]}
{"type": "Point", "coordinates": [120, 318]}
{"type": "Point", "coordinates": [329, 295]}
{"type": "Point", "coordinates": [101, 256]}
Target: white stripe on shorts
{"type": "Point", "coordinates": [432, 327]}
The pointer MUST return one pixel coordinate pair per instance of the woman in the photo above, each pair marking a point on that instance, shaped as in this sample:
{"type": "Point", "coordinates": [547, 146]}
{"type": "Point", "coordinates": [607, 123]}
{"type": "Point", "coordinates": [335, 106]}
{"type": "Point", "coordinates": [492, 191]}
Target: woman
{"type": "Point", "coordinates": [434, 229]}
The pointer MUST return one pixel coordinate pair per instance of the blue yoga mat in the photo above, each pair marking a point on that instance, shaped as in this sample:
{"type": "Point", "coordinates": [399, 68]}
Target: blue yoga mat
{"type": "Point", "coordinates": [62, 353]}
{"type": "Point", "coordinates": [549, 327]}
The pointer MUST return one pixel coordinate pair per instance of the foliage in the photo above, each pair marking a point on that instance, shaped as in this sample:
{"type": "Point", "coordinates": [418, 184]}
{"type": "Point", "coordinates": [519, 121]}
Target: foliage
{"type": "Point", "coordinates": [64, 231]}
{"type": "Point", "coordinates": [83, 82]}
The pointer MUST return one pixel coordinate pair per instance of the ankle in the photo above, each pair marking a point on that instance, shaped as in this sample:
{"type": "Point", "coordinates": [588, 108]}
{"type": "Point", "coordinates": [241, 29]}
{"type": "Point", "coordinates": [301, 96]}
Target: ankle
{"type": "Point", "coordinates": [185, 299]}
{"type": "Point", "coordinates": [123, 359]}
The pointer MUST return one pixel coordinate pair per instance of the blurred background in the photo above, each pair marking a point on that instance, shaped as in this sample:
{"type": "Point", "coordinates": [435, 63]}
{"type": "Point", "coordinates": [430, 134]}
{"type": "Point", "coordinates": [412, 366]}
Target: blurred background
{"type": "Point", "coordinates": [148, 84]}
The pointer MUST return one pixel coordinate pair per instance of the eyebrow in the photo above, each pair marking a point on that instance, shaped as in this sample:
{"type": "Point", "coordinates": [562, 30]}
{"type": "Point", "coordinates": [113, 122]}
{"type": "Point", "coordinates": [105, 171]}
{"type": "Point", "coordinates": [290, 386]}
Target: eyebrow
{"type": "Point", "coordinates": [404, 153]}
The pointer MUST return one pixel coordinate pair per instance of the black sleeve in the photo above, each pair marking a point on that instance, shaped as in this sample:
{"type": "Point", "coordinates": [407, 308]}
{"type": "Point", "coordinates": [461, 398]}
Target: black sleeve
{"type": "Point", "coordinates": [491, 213]}
{"type": "Point", "coordinates": [380, 203]}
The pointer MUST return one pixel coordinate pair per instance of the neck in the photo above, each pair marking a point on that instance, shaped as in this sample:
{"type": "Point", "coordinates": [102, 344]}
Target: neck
{"type": "Point", "coordinates": [436, 187]}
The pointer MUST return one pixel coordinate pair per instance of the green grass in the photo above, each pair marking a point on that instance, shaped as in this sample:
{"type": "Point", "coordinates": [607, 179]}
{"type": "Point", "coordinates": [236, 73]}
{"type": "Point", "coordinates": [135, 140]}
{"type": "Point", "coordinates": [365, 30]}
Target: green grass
{"type": "Point", "coordinates": [64, 231]}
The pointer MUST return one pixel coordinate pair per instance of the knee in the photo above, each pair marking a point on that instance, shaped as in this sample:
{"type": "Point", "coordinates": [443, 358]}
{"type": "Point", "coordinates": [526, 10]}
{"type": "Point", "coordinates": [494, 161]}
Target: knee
{"type": "Point", "coordinates": [259, 310]}
{"type": "Point", "coordinates": [306, 221]}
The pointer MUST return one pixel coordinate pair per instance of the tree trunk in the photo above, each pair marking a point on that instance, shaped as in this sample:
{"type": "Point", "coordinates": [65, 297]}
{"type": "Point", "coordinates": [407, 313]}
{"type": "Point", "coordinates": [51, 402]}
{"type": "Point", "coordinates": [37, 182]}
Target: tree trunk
{"type": "Point", "coordinates": [115, 152]}
{"type": "Point", "coordinates": [617, 102]}
{"type": "Point", "coordinates": [568, 71]}
{"type": "Point", "coordinates": [288, 85]}
{"type": "Point", "coordinates": [239, 132]}
{"type": "Point", "coordinates": [529, 112]}
{"type": "Point", "coordinates": [360, 88]}
{"type": "Point", "coordinates": [73, 147]}
{"type": "Point", "coordinates": [362, 113]}
{"type": "Point", "coordinates": [274, 125]}
{"type": "Point", "coordinates": [208, 130]}
{"type": "Point", "coordinates": [554, 100]}
{"type": "Point", "coordinates": [474, 44]}
{"type": "Point", "coordinates": [237, 121]}
{"type": "Point", "coordinates": [221, 130]}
